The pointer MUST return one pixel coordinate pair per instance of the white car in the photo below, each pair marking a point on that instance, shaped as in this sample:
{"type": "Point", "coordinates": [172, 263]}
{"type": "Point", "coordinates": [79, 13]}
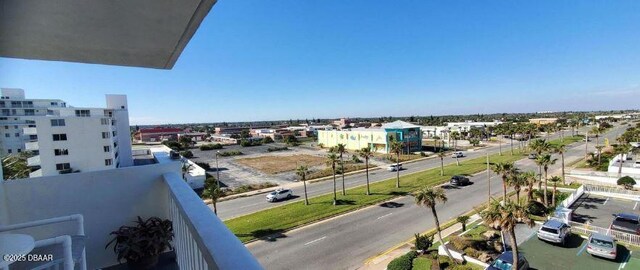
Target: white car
{"type": "Point", "coordinates": [279, 194]}
{"type": "Point", "coordinates": [394, 167]}
{"type": "Point", "coordinates": [458, 154]}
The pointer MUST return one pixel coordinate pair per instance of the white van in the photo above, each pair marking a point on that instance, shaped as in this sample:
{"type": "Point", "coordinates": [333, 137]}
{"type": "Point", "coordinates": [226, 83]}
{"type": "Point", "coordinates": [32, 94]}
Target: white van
{"type": "Point", "coordinates": [394, 167]}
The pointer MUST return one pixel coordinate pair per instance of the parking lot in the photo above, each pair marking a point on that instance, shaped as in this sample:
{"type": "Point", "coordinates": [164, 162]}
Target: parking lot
{"type": "Point", "coordinates": [542, 255]}
{"type": "Point", "coordinates": [599, 210]}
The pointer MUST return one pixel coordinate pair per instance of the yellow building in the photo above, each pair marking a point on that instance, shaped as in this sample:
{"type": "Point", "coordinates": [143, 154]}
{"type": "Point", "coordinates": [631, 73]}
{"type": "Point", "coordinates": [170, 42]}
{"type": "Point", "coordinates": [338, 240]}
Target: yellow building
{"type": "Point", "coordinates": [543, 121]}
{"type": "Point", "coordinates": [377, 139]}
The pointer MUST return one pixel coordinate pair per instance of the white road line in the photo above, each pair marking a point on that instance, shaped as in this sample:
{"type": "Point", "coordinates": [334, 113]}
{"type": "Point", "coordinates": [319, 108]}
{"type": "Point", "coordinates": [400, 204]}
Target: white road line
{"type": "Point", "coordinates": [319, 239]}
{"type": "Point", "coordinates": [384, 216]}
{"type": "Point", "coordinates": [635, 206]}
{"type": "Point", "coordinates": [605, 201]}
{"type": "Point", "coordinates": [625, 261]}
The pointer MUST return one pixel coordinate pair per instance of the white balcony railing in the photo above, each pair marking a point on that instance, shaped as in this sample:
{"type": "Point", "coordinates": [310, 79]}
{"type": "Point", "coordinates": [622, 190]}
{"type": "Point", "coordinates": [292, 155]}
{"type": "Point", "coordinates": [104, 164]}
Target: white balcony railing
{"type": "Point", "coordinates": [202, 241]}
{"type": "Point", "coordinates": [33, 161]}
{"type": "Point", "coordinates": [30, 131]}
{"type": "Point", "coordinates": [31, 146]}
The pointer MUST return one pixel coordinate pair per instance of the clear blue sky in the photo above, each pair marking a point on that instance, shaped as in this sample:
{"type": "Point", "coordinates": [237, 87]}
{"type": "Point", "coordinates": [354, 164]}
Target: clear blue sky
{"type": "Point", "coordinates": [267, 60]}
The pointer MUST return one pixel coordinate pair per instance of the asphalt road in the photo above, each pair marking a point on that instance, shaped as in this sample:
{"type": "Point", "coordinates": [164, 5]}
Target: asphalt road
{"type": "Point", "coordinates": [246, 205]}
{"type": "Point", "coordinates": [345, 242]}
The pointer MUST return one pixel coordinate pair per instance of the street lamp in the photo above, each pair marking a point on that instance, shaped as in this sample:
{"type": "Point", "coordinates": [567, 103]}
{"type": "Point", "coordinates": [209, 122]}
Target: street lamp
{"type": "Point", "coordinates": [217, 169]}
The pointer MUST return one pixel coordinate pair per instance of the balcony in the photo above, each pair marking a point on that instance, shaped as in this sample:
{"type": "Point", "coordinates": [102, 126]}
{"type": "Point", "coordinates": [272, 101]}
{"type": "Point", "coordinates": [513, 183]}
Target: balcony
{"type": "Point", "coordinates": [31, 146]}
{"type": "Point", "coordinates": [33, 161]}
{"type": "Point", "coordinates": [37, 173]}
{"type": "Point", "coordinates": [30, 131]}
{"type": "Point", "coordinates": [201, 240]}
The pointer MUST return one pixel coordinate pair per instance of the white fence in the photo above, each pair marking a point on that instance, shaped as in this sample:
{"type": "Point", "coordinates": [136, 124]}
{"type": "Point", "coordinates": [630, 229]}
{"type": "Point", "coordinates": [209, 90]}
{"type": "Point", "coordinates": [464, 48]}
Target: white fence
{"type": "Point", "coordinates": [572, 197]}
{"type": "Point", "coordinates": [620, 236]}
{"type": "Point", "coordinates": [607, 189]}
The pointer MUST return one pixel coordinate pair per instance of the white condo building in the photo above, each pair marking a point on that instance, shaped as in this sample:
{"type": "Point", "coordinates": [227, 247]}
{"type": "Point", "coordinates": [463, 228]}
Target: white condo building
{"type": "Point", "coordinates": [66, 139]}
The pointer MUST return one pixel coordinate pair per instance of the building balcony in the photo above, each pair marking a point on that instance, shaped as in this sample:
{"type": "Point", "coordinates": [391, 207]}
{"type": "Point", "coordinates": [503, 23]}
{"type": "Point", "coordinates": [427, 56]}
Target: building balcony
{"type": "Point", "coordinates": [31, 146]}
{"type": "Point", "coordinates": [201, 240]}
{"type": "Point", "coordinates": [30, 131]}
{"type": "Point", "coordinates": [37, 173]}
{"type": "Point", "coordinates": [33, 161]}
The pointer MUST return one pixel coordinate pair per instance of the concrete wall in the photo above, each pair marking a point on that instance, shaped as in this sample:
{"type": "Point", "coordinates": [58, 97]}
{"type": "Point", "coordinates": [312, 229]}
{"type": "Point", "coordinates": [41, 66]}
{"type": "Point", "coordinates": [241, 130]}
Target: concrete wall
{"type": "Point", "coordinates": [107, 199]}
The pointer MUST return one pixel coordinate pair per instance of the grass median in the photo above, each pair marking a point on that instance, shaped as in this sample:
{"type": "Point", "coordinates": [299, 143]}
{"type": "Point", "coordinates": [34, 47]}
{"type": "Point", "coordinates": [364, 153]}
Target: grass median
{"type": "Point", "coordinates": [279, 219]}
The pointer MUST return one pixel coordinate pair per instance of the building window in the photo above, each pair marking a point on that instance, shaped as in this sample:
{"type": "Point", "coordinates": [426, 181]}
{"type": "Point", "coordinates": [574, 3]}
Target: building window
{"type": "Point", "coordinates": [57, 123]}
{"type": "Point", "coordinates": [17, 134]}
{"type": "Point", "coordinates": [104, 121]}
{"type": "Point", "coordinates": [59, 137]}
{"type": "Point", "coordinates": [61, 152]}
{"type": "Point", "coordinates": [105, 135]}
{"type": "Point", "coordinates": [106, 148]}
{"type": "Point", "coordinates": [114, 133]}
{"type": "Point", "coordinates": [16, 104]}
{"type": "Point", "coordinates": [29, 112]}
{"type": "Point", "coordinates": [108, 162]}
{"type": "Point", "coordinates": [63, 166]}
{"type": "Point", "coordinates": [7, 135]}
{"type": "Point", "coordinates": [19, 150]}
{"type": "Point", "coordinates": [83, 113]}
{"type": "Point", "coordinates": [54, 103]}
{"type": "Point", "coordinates": [115, 144]}
{"type": "Point", "coordinates": [9, 151]}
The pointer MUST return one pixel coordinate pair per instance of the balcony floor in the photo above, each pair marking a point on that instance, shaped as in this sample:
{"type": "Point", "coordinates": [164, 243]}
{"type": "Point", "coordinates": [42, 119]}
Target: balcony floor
{"type": "Point", "coordinates": [167, 261]}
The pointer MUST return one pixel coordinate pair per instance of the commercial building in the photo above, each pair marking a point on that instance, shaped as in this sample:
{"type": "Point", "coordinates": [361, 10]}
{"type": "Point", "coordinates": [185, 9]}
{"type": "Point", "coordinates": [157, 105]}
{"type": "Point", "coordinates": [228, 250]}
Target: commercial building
{"type": "Point", "coordinates": [156, 134]}
{"type": "Point", "coordinates": [70, 139]}
{"type": "Point", "coordinates": [377, 139]}
{"type": "Point", "coordinates": [543, 121]}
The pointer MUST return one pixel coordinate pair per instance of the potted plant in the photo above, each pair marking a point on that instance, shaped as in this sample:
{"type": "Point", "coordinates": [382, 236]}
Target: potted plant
{"type": "Point", "coordinates": [141, 245]}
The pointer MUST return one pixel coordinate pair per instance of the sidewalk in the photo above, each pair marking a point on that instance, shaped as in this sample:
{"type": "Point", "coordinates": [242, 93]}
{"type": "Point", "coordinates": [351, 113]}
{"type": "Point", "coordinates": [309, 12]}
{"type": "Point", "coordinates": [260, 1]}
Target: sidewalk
{"type": "Point", "coordinates": [380, 262]}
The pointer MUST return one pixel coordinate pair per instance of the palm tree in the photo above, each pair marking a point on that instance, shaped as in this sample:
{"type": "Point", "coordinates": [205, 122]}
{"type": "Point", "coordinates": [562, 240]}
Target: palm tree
{"type": "Point", "coordinates": [15, 166]}
{"type": "Point", "coordinates": [505, 169]}
{"type": "Point", "coordinates": [596, 132]}
{"type": "Point", "coordinates": [213, 193]}
{"type": "Point", "coordinates": [303, 171]}
{"type": "Point", "coordinates": [441, 155]}
{"type": "Point", "coordinates": [560, 149]}
{"type": "Point", "coordinates": [621, 149]}
{"type": "Point", "coordinates": [599, 148]}
{"type": "Point", "coordinates": [517, 181]}
{"type": "Point", "coordinates": [455, 136]}
{"type": "Point", "coordinates": [429, 197]}
{"type": "Point", "coordinates": [555, 180]}
{"type": "Point", "coordinates": [531, 178]}
{"type": "Point", "coordinates": [366, 153]}
{"type": "Point", "coordinates": [545, 161]}
{"type": "Point", "coordinates": [396, 147]}
{"type": "Point", "coordinates": [340, 150]}
{"type": "Point", "coordinates": [463, 221]}
{"type": "Point", "coordinates": [505, 217]}
{"type": "Point", "coordinates": [332, 159]}
{"type": "Point", "coordinates": [186, 168]}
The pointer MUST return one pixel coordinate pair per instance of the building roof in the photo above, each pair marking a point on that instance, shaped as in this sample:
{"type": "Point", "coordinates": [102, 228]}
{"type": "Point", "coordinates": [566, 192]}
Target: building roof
{"type": "Point", "coordinates": [160, 130]}
{"type": "Point", "coordinates": [142, 33]}
{"type": "Point", "coordinates": [399, 125]}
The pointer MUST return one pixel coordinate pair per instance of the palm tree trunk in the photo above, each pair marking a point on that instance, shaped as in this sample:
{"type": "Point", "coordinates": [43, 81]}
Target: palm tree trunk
{"type": "Point", "coordinates": [306, 201]}
{"type": "Point", "coordinates": [562, 160]}
{"type": "Point", "coordinates": [545, 187]}
{"type": "Point", "coordinates": [367, 172]}
{"type": "Point", "coordinates": [514, 248]}
{"type": "Point", "coordinates": [441, 167]}
{"type": "Point", "coordinates": [344, 192]}
{"type": "Point", "coordinates": [599, 155]}
{"type": "Point", "coordinates": [553, 194]}
{"type": "Point", "coordinates": [215, 208]}
{"type": "Point", "coordinates": [511, 140]}
{"type": "Point", "coordinates": [540, 178]}
{"type": "Point", "coordinates": [335, 199]}
{"type": "Point", "coordinates": [504, 188]}
{"type": "Point", "coordinates": [530, 192]}
{"type": "Point", "coordinates": [435, 218]}
{"type": "Point", "coordinates": [500, 145]}
{"type": "Point", "coordinates": [398, 170]}
{"type": "Point", "coordinates": [518, 196]}
{"type": "Point", "coordinates": [457, 161]}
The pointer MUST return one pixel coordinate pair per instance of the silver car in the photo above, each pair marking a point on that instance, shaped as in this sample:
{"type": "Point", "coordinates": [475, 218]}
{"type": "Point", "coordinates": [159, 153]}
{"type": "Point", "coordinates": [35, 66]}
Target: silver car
{"type": "Point", "coordinates": [602, 246]}
{"type": "Point", "coordinates": [554, 231]}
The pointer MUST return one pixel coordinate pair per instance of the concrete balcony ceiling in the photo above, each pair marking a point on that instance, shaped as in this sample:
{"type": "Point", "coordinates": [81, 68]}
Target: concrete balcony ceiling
{"type": "Point", "coordinates": [141, 33]}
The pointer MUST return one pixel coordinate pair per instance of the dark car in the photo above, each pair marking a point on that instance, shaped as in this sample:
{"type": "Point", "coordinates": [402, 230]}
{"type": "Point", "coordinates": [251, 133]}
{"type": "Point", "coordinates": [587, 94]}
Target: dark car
{"type": "Point", "coordinates": [505, 262]}
{"type": "Point", "coordinates": [533, 156]}
{"type": "Point", "coordinates": [459, 180]}
{"type": "Point", "coordinates": [627, 223]}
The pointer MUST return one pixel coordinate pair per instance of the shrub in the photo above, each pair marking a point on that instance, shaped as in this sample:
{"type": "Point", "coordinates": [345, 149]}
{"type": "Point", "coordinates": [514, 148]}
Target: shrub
{"type": "Point", "coordinates": [173, 145]}
{"type": "Point", "coordinates": [266, 140]}
{"type": "Point", "coordinates": [423, 242]}
{"type": "Point", "coordinates": [230, 153]}
{"type": "Point", "coordinates": [208, 147]}
{"type": "Point", "coordinates": [472, 252]}
{"type": "Point", "coordinates": [186, 154]}
{"type": "Point", "coordinates": [274, 149]}
{"type": "Point", "coordinates": [204, 165]}
{"type": "Point", "coordinates": [355, 159]}
{"type": "Point", "coordinates": [627, 182]}
{"type": "Point", "coordinates": [423, 154]}
{"type": "Point", "coordinates": [404, 262]}
{"type": "Point", "coordinates": [291, 140]}
{"type": "Point", "coordinates": [536, 208]}
{"type": "Point", "coordinates": [247, 143]}
{"type": "Point", "coordinates": [459, 242]}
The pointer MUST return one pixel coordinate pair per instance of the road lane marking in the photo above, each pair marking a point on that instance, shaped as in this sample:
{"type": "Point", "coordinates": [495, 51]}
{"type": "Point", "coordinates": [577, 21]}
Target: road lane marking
{"type": "Point", "coordinates": [635, 206]}
{"type": "Point", "coordinates": [625, 260]}
{"type": "Point", "coordinates": [582, 249]}
{"type": "Point", "coordinates": [384, 216]}
{"type": "Point", "coordinates": [319, 239]}
{"type": "Point", "coordinates": [605, 201]}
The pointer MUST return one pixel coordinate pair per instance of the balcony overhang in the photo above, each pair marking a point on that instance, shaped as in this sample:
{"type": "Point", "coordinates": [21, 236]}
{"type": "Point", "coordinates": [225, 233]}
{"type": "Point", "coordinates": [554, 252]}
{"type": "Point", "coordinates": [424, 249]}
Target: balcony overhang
{"type": "Point", "coordinates": [141, 33]}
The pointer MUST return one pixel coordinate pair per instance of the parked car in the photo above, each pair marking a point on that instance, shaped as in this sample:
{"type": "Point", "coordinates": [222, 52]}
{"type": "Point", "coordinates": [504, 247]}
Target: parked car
{"type": "Point", "coordinates": [627, 223]}
{"type": "Point", "coordinates": [505, 262]}
{"type": "Point", "coordinates": [554, 231]}
{"type": "Point", "coordinates": [459, 180]}
{"type": "Point", "coordinates": [533, 156]}
{"type": "Point", "coordinates": [602, 246]}
{"type": "Point", "coordinates": [394, 167]}
{"type": "Point", "coordinates": [457, 154]}
{"type": "Point", "coordinates": [279, 194]}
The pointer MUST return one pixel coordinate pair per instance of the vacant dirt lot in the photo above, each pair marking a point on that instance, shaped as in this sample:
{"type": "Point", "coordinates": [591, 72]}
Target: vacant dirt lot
{"type": "Point", "coordinates": [278, 164]}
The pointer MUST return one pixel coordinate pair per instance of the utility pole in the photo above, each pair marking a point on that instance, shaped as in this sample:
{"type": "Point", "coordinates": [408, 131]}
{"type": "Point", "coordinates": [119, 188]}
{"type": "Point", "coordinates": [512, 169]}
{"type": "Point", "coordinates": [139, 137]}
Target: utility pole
{"type": "Point", "coordinates": [586, 144]}
{"type": "Point", "coordinates": [217, 170]}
